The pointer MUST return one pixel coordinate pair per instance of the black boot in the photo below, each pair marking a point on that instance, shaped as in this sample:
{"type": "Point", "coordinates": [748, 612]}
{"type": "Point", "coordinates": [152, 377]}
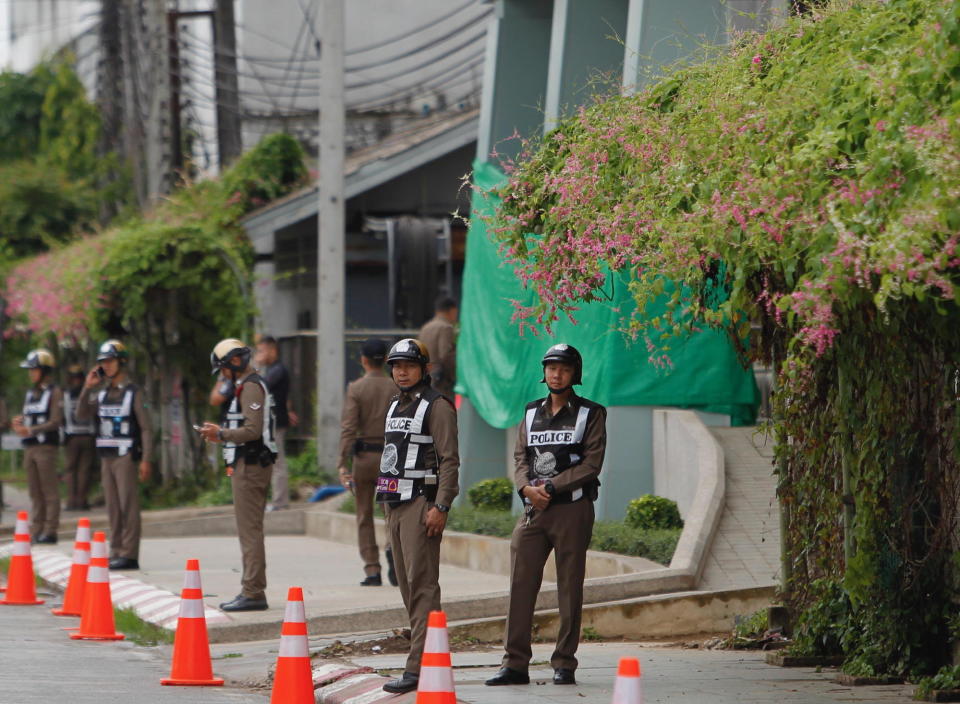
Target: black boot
{"type": "Point", "coordinates": [245, 603]}
{"type": "Point", "coordinates": [407, 683]}
{"type": "Point", "coordinates": [508, 676]}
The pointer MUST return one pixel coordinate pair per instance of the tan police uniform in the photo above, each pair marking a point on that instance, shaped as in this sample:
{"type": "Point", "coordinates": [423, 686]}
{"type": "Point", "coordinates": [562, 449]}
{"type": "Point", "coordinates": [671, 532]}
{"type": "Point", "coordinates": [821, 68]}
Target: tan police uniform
{"type": "Point", "coordinates": [420, 467]}
{"type": "Point", "coordinates": [43, 415]}
{"type": "Point", "coordinates": [439, 337]}
{"type": "Point", "coordinates": [251, 451]}
{"type": "Point", "coordinates": [566, 449]}
{"type": "Point", "coordinates": [361, 435]}
{"type": "Point", "coordinates": [80, 451]}
{"type": "Point", "coordinates": [124, 437]}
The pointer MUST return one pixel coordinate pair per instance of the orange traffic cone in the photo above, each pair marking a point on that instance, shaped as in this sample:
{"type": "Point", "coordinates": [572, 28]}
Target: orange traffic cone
{"type": "Point", "coordinates": [21, 587]}
{"type": "Point", "coordinates": [191, 648]}
{"type": "Point", "coordinates": [627, 689]}
{"type": "Point", "coordinates": [293, 678]}
{"type": "Point", "coordinates": [436, 671]}
{"type": "Point", "coordinates": [97, 623]}
{"type": "Point", "coordinates": [77, 583]}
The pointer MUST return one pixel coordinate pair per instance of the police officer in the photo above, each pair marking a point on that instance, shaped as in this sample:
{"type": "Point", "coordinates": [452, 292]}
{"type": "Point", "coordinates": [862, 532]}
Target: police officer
{"type": "Point", "coordinates": [124, 444]}
{"type": "Point", "coordinates": [249, 451]}
{"type": "Point", "coordinates": [440, 337]}
{"type": "Point", "coordinates": [361, 435]}
{"type": "Point", "coordinates": [560, 446]}
{"type": "Point", "coordinates": [80, 448]}
{"type": "Point", "coordinates": [419, 474]}
{"type": "Point", "coordinates": [39, 426]}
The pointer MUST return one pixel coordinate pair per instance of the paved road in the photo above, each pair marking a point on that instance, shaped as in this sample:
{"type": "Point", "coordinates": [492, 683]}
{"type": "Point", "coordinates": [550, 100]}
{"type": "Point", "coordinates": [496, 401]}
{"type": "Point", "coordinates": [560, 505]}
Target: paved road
{"type": "Point", "coordinates": [670, 675]}
{"type": "Point", "coordinates": [39, 664]}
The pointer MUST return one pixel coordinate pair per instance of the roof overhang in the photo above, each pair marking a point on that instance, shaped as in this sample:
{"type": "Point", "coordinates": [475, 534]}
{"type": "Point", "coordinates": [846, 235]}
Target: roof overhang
{"type": "Point", "coordinates": [370, 169]}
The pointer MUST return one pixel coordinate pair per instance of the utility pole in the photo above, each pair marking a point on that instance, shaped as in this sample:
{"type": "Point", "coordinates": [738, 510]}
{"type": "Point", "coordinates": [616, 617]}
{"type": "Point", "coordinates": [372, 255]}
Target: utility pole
{"type": "Point", "coordinates": [330, 242]}
{"type": "Point", "coordinates": [110, 85]}
{"type": "Point", "coordinates": [227, 96]}
{"type": "Point", "coordinates": [176, 136]}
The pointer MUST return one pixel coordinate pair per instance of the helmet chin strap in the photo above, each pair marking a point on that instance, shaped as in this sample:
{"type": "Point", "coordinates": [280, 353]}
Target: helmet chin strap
{"type": "Point", "coordinates": [561, 390]}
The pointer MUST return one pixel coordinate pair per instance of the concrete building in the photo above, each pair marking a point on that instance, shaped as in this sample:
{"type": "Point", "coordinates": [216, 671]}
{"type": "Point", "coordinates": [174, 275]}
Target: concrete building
{"type": "Point", "coordinates": [402, 246]}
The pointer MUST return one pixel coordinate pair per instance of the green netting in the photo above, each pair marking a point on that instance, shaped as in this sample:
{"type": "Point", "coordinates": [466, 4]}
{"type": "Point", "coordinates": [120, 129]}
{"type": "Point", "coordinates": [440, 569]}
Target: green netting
{"type": "Point", "coordinates": [498, 369]}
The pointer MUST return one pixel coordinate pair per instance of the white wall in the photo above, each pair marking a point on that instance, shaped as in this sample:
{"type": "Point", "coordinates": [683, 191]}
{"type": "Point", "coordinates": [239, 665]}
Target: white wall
{"type": "Point", "coordinates": [31, 30]}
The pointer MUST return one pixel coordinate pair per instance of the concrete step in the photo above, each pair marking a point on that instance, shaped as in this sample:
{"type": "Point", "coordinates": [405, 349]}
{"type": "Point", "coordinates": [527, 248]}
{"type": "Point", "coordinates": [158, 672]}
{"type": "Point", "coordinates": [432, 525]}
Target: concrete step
{"type": "Point", "coordinates": [649, 617]}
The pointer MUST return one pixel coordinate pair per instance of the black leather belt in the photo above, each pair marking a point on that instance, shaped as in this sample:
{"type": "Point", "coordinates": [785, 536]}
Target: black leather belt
{"type": "Point", "coordinates": [361, 446]}
{"type": "Point", "coordinates": [419, 489]}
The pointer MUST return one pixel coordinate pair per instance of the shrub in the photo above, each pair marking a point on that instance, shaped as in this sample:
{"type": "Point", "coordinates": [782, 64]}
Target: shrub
{"type": "Point", "coordinates": [947, 678]}
{"type": "Point", "coordinates": [651, 511]}
{"type": "Point", "coordinates": [493, 494]}
{"type": "Point", "coordinates": [482, 521]}
{"type": "Point", "coordinates": [657, 544]}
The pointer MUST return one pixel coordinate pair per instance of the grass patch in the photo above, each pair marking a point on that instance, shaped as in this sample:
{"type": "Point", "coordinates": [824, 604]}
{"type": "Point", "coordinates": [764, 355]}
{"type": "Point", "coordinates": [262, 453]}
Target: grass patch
{"type": "Point", "coordinates": [139, 631]}
{"type": "Point", "coordinates": [590, 633]}
{"type": "Point", "coordinates": [349, 505]}
{"type": "Point", "coordinates": [219, 495]}
{"type": "Point", "coordinates": [655, 544]}
{"type": "Point", "coordinates": [468, 519]}
{"type": "Point", "coordinates": [5, 569]}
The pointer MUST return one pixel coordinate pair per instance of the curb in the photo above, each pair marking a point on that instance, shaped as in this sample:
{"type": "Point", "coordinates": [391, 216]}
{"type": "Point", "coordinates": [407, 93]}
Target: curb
{"type": "Point", "coordinates": [152, 604]}
{"type": "Point", "coordinates": [350, 684]}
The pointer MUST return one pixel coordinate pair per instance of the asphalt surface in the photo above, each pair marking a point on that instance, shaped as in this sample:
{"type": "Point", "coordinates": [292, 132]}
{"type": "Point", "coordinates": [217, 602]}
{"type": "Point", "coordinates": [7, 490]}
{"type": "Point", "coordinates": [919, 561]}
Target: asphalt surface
{"type": "Point", "coordinates": [40, 664]}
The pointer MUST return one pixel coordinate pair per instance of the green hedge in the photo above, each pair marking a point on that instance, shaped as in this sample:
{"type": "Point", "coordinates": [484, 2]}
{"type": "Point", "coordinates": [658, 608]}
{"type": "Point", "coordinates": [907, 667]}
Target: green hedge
{"type": "Point", "coordinates": [608, 536]}
{"type": "Point", "coordinates": [495, 494]}
{"type": "Point", "coordinates": [651, 512]}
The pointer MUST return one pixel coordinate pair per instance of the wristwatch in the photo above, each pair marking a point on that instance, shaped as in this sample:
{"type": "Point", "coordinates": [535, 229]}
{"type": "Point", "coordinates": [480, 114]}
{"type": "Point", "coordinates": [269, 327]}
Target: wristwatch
{"type": "Point", "coordinates": [441, 508]}
{"type": "Point", "coordinates": [551, 489]}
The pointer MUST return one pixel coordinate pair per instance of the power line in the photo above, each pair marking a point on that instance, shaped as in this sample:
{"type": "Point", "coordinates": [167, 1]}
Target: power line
{"type": "Point", "coordinates": [405, 35]}
{"type": "Point", "coordinates": [375, 103]}
{"type": "Point", "coordinates": [411, 52]}
{"type": "Point", "coordinates": [432, 60]}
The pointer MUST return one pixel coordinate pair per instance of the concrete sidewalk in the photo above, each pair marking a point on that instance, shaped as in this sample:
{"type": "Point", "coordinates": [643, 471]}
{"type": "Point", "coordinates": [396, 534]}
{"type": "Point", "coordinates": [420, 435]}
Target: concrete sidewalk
{"type": "Point", "coordinates": [746, 548]}
{"type": "Point", "coordinates": [329, 573]}
{"type": "Point", "coordinates": [669, 675]}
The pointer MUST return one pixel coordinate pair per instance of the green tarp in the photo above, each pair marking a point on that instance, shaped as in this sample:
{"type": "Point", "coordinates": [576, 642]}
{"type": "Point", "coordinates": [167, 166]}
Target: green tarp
{"type": "Point", "coordinates": [498, 369]}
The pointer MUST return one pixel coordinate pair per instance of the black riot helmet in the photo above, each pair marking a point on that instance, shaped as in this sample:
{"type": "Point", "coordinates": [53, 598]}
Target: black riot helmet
{"type": "Point", "coordinates": [113, 349]}
{"type": "Point", "coordinates": [565, 354]}
{"type": "Point", "coordinates": [39, 359]}
{"type": "Point", "coordinates": [230, 354]}
{"type": "Point", "coordinates": [411, 350]}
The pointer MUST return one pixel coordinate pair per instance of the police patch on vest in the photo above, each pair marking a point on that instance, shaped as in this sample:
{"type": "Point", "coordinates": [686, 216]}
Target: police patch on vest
{"type": "Point", "coordinates": [388, 460]}
{"type": "Point", "coordinates": [551, 437]}
{"type": "Point", "coordinates": [389, 485]}
{"type": "Point", "coordinates": [401, 425]}
{"type": "Point", "coordinates": [545, 465]}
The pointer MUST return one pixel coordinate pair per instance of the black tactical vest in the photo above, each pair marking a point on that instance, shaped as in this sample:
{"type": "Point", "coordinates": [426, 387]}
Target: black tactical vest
{"type": "Point", "coordinates": [71, 426]}
{"type": "Point", "coordinates": [36, 411]}
{"type": "Point", "coordinates": [263, 450]}
{"type": "Point", "coordinates": [408, 465]}
{"type": "Point", "coordinates": [118, 431]}
{"type": "Point", "coordinates": [555, 447]}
